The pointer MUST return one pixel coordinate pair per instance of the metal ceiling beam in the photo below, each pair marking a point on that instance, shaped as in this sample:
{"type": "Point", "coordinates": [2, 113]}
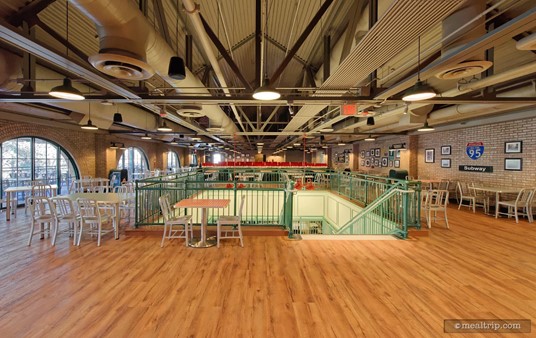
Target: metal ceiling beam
{"type": "Point", "coordinates": [247, 101]}
{"type": "Point", "coordinates": [29, 11]}
{"type": "Point", "coordinates": [224, 53]}
{"type": "Point", "coordinates": [161, 17]}
{"type": "Point", "coordinates": [300, 40]}
{"type": "Point", "coordinates": [258, 39]}
{"type": "Point", "coordinates": [276, 109]}
{"type": "Point", "coordinates": [486, 41]}
{"type": "Point", "coordinates": [14, 37]}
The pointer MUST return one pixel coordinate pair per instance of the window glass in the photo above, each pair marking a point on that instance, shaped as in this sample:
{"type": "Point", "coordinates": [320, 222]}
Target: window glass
{"type": "Point", "coordinates": [28, 159]}
{"type": "Point", "coordinates": [135, 161]}
{"type": "Point", "coordinates": [173, 163]}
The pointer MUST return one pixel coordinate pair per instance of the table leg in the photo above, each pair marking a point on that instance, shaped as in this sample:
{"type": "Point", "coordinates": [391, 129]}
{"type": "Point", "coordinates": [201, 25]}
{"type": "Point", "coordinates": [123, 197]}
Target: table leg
{"type": "Point", "coordinates": [203, 242]}
{"type": "Point", "coordinates": [8, 206]}
{"type": "Point", "coordinates": [497, 204]}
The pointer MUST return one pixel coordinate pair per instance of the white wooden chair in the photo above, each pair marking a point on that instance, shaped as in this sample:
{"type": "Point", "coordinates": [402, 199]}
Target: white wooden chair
{"type": "Point", "coordinates": [184, 222]}
{"type": "Point", "coordinates": [465, 195]}
{"type": "Point", "coordinates": [436, 201]}
{"type": "Point", "coordinates": [66, 213]}
{"type": "Point", "coordinates": [235, 221]}
{"type": "Point", "coordinates": [518, 207]}
{"type": "Point", "coordinates": [43, 214]}
{"type": "Point", "coordinates": [94, 215]}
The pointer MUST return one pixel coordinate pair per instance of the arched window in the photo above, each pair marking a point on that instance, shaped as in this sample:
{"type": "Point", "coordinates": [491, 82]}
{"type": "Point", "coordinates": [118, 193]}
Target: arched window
{"type": "Point", "coordinates": [135, 161]}
{"type": "Point", "coordinates": [27, 159]}
{"type": "Point", "coordinates": [173, 162]}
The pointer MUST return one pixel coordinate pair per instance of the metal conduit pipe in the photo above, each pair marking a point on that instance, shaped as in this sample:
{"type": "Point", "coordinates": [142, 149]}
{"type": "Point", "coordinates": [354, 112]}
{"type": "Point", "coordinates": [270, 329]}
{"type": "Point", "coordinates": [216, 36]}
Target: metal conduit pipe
{"type": "Point", "coordinates": [193, 13]}
{"type": "Point", "coordinates": [125, 34]}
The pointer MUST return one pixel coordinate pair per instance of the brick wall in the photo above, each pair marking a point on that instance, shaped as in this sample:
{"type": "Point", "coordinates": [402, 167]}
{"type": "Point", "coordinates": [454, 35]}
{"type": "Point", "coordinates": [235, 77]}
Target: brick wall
{"type": "Point", "coordinates": [91, 150]}
{"type": "Point", "coordinates": [493, 136]}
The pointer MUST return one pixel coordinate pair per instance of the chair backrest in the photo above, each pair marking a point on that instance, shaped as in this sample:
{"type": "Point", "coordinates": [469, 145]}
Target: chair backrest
{"type": "Point", "coordinates": [40, 206]}
{"type": "Point", "coordinates": [64, 206]}
{"type": "Point", "coordinates": [463, 188]}
{"type": "Point", "coordinates": [524, 196]}
{"type": "Point", "coordinates": [88, 208]}
{"type": "Point", "coordinates": [243, 200]}
{"type": "Point", "coordinates": [444, 185]}
{"type": "Point", "coordinates": [438, 198]}
{"type": "Point", "coordinates": [43, 190]}
{"type": "Point", "coordinates": [121, 189]}
{"type": "Point", "coordinates": [166, 208]}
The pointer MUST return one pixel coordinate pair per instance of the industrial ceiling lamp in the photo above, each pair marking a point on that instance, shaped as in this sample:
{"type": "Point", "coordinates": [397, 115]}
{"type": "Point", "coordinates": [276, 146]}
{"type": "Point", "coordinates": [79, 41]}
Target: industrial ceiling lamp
{"type": "Point", "coordinates": [66, 90]}
{"type": "Point", "coordinates": [370, 121]}
{"type": "Point", "coordinates": [176, 69]}
{"type": "Point", "coordinates": [370, 138]}
{"type": "Point", "coordinates": [265, 92]}
{"type": "Point", "coordinates": [426, 127]}
{"type": "Point", "coordinates": [89, 125]}
{"type": "Point", "coordinates": [113, 146]}
{"type": "Point", "coordinates": [420, 91]}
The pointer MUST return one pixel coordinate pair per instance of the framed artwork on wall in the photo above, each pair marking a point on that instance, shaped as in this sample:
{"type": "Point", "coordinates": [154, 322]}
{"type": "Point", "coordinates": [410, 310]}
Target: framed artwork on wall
{"type": "Point", "coordinates": [445, 150]}
{"type": "Point", "coordinates": [376, 162]}
{"type": "Point", "coordinates": [367, 163]}
{"type": "Point", "coordinates": [367, 154]}
{"type": "Point", "coordinates": [362, 162]}
{"type": "Point", "coordinates": [384, 161]}
{"type": "Point", "coordinates": [397, 154]}
{"type": "Point", "coordinates": [514, 164]}
{"type": "Point", "coordinates": [445, 163]}
{"type": "Point", "coordinates": [362, 154]}
{"type": "Point", "coordinates": [377, 152]}
{"type": "Point", "coordinates": [397, 163]}
{"type": "Point", "coordinates": [391, 163]}
{"type": "Point", "coordinates": [513, 147]}
{"type": "Point", "coordinates": [429, 155]}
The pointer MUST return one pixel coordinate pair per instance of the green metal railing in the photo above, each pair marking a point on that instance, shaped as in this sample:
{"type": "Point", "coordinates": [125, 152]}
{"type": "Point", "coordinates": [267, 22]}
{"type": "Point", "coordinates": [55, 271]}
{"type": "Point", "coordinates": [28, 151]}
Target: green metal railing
{"type": "Point", "coordinates": [391, 205]}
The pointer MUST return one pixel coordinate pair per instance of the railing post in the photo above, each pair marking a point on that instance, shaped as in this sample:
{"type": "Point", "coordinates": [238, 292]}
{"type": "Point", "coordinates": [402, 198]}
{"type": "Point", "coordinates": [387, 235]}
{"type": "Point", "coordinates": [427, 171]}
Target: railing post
{"type": "Point", "coordinates": [136, 208]}
{"type": "Point", "coordinates": [289, 209]}
{"type": "Point", "coordinates": [234, 193]}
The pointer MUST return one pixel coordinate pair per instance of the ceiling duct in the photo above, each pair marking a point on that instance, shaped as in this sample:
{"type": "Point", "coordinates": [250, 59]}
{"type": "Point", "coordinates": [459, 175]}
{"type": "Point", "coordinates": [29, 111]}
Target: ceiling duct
{"type": "Point", "coordinates": [137, 49]}
{"type": "Point", "coordinates": [452, 44]}
{"type": "Point", "coordinates": [191, 111]}
{"type": "Point", "coordinates": [10, 69]}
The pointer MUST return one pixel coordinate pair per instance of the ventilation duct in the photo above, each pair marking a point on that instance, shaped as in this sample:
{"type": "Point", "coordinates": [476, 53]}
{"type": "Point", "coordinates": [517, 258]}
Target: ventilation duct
{"type": "Point", "coordinates": [456, 42]}
{"type": "Point", "coordinates": [130, 48]}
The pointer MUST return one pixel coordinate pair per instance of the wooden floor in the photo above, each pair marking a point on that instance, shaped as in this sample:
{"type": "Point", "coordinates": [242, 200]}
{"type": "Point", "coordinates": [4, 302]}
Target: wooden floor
{"type": "Point", "coordinates": [273, 287]}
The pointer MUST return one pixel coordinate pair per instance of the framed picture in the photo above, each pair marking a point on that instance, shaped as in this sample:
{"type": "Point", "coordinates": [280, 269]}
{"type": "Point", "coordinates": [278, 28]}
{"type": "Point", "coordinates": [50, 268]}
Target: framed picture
{"type": "Point", "coordinates": [376, 163]}
{"type": "Point", "coordinates": [397, 153]}
{"type": "Point", "coordinates": [445, 163]}
{"type": "Point", "coordinates": [362, 162]}
{"type": "Point", "coordinates": [391, 163]}
{"type": "Point", "coordinates": [367, 154]}
{"type": "Point", "coordinates": [513, 147]}
{"type": "Point", "coordinates": [362, 154]}
{"type": "Point", "coordinates": [445, 150]}
{"type": "Point", "coordinates": [367, 163]}
{"type": "Point", "coordinates": [384, 161]}
{"type": "Point", "coordinates": [378, 152]}
{"type": "Point", "coordinates": [515, 164]}
{"type": "Point", "coordinates": [429, 155]}
{"type": "Point", "coordinates": [397, 163]}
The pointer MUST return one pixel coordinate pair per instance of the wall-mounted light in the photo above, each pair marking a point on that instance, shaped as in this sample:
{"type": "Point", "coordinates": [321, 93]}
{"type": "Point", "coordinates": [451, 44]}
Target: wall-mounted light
{"type": "Point", "coordinates": [114, 146]}
{"type": "Point", "coordinates": [397, 146]}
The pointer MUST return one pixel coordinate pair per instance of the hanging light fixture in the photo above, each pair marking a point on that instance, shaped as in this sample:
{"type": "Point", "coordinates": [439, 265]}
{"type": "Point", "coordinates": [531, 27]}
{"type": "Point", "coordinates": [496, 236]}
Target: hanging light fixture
{"type": "Point", "coordinates": [89, 125]}
{"type": "Point", "coordinates": [176, 69]}
{"type": "Point", "coordinates": [426, 127]}
{"type": "Point", "coordinates": [266, 92]}
{"type": "Point", "coordinates": [173, 142]}
{"type": "Point", "coordinates": [163, 126]}
{"type": "Point", "coordinates": [370, 138]}
{"type": "Point", "coordinates": [66, 90]}
{"type": "Point", "coordinates": [113, 146]}
{"type": "Point", "coordinates": [122, 146]}
{"type": "Point", "coordinates": [420, 91]}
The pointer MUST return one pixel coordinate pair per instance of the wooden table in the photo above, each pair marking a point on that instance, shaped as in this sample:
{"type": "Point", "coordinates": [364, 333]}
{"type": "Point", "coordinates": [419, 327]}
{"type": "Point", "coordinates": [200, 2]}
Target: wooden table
{"type": "Point", "coordinates": [498, 191]}
{"type": "Point", "coordinates": [204, 204]}
{"type": "Point", "coordinates": [12, 191]}
{"type": "Point", "coordinates": [105, 197]}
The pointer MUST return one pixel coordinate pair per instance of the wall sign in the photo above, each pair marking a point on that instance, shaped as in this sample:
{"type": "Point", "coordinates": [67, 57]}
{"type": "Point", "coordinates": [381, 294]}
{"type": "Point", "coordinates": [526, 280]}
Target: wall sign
{"type": "Point", "coordinates": [476, 168]}
{"type": "Point", "coordinates": [474, 150]}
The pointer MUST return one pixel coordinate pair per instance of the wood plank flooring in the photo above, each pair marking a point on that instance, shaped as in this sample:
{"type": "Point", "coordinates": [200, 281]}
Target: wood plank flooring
{"type": "Point", "coordinates": [480, 268]}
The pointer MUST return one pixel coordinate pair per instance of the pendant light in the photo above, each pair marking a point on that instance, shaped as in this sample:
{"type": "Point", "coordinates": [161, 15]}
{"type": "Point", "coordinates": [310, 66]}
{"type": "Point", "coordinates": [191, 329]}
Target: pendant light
{"type": "Point", "coordinates": [426, 127]}
{"type": "Point", "coordinates": [266, 92]}
{"type": "Point", "coordinates": [163, 126]}
{"type": "Point", "coordinates": [89, 125]}
{"type": "Point", "coordinates": [370, 121]}
{"type": "Point", "coordinates": [66, 90]}
{"type": "Point", "coordinates": [370, 138]}
{"type": "Point", "coordinates": [176, 69]}
{"type": "Point", "coordinates": [420, 91]}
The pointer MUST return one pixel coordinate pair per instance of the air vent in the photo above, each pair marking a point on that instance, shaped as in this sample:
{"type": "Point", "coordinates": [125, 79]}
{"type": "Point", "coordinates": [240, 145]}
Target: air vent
{"type": "Point", "coordinates": [215, 129]}
{"type": "Point", "coordinates": [121, 66]}
{"type": "Point", "coordinates": [191, 111]}
{"type": "Point", "coordinates": [464, 69]}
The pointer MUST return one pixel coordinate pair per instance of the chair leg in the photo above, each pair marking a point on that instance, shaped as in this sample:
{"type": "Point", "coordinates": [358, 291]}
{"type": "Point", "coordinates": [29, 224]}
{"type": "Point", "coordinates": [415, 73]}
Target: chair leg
{"type": "Point", "coordinates": [218, 234]}
{"type": "Point", "coordinates": [99, 227]}
{"type": "Point", "coordinates": [186, 233]}
{"type": "Point", "coordinates": [163, 236]}
{"type": "Point", "coordinates": [240, 233]}
{"type": "Point", "coordinates": [80, 233]}
{"type": "Point", "coordinates": [31, 233]}
{"type": "Point", "coordinates": [446, 219]}
{"type": "Point", "coordinates": [55, 224]}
